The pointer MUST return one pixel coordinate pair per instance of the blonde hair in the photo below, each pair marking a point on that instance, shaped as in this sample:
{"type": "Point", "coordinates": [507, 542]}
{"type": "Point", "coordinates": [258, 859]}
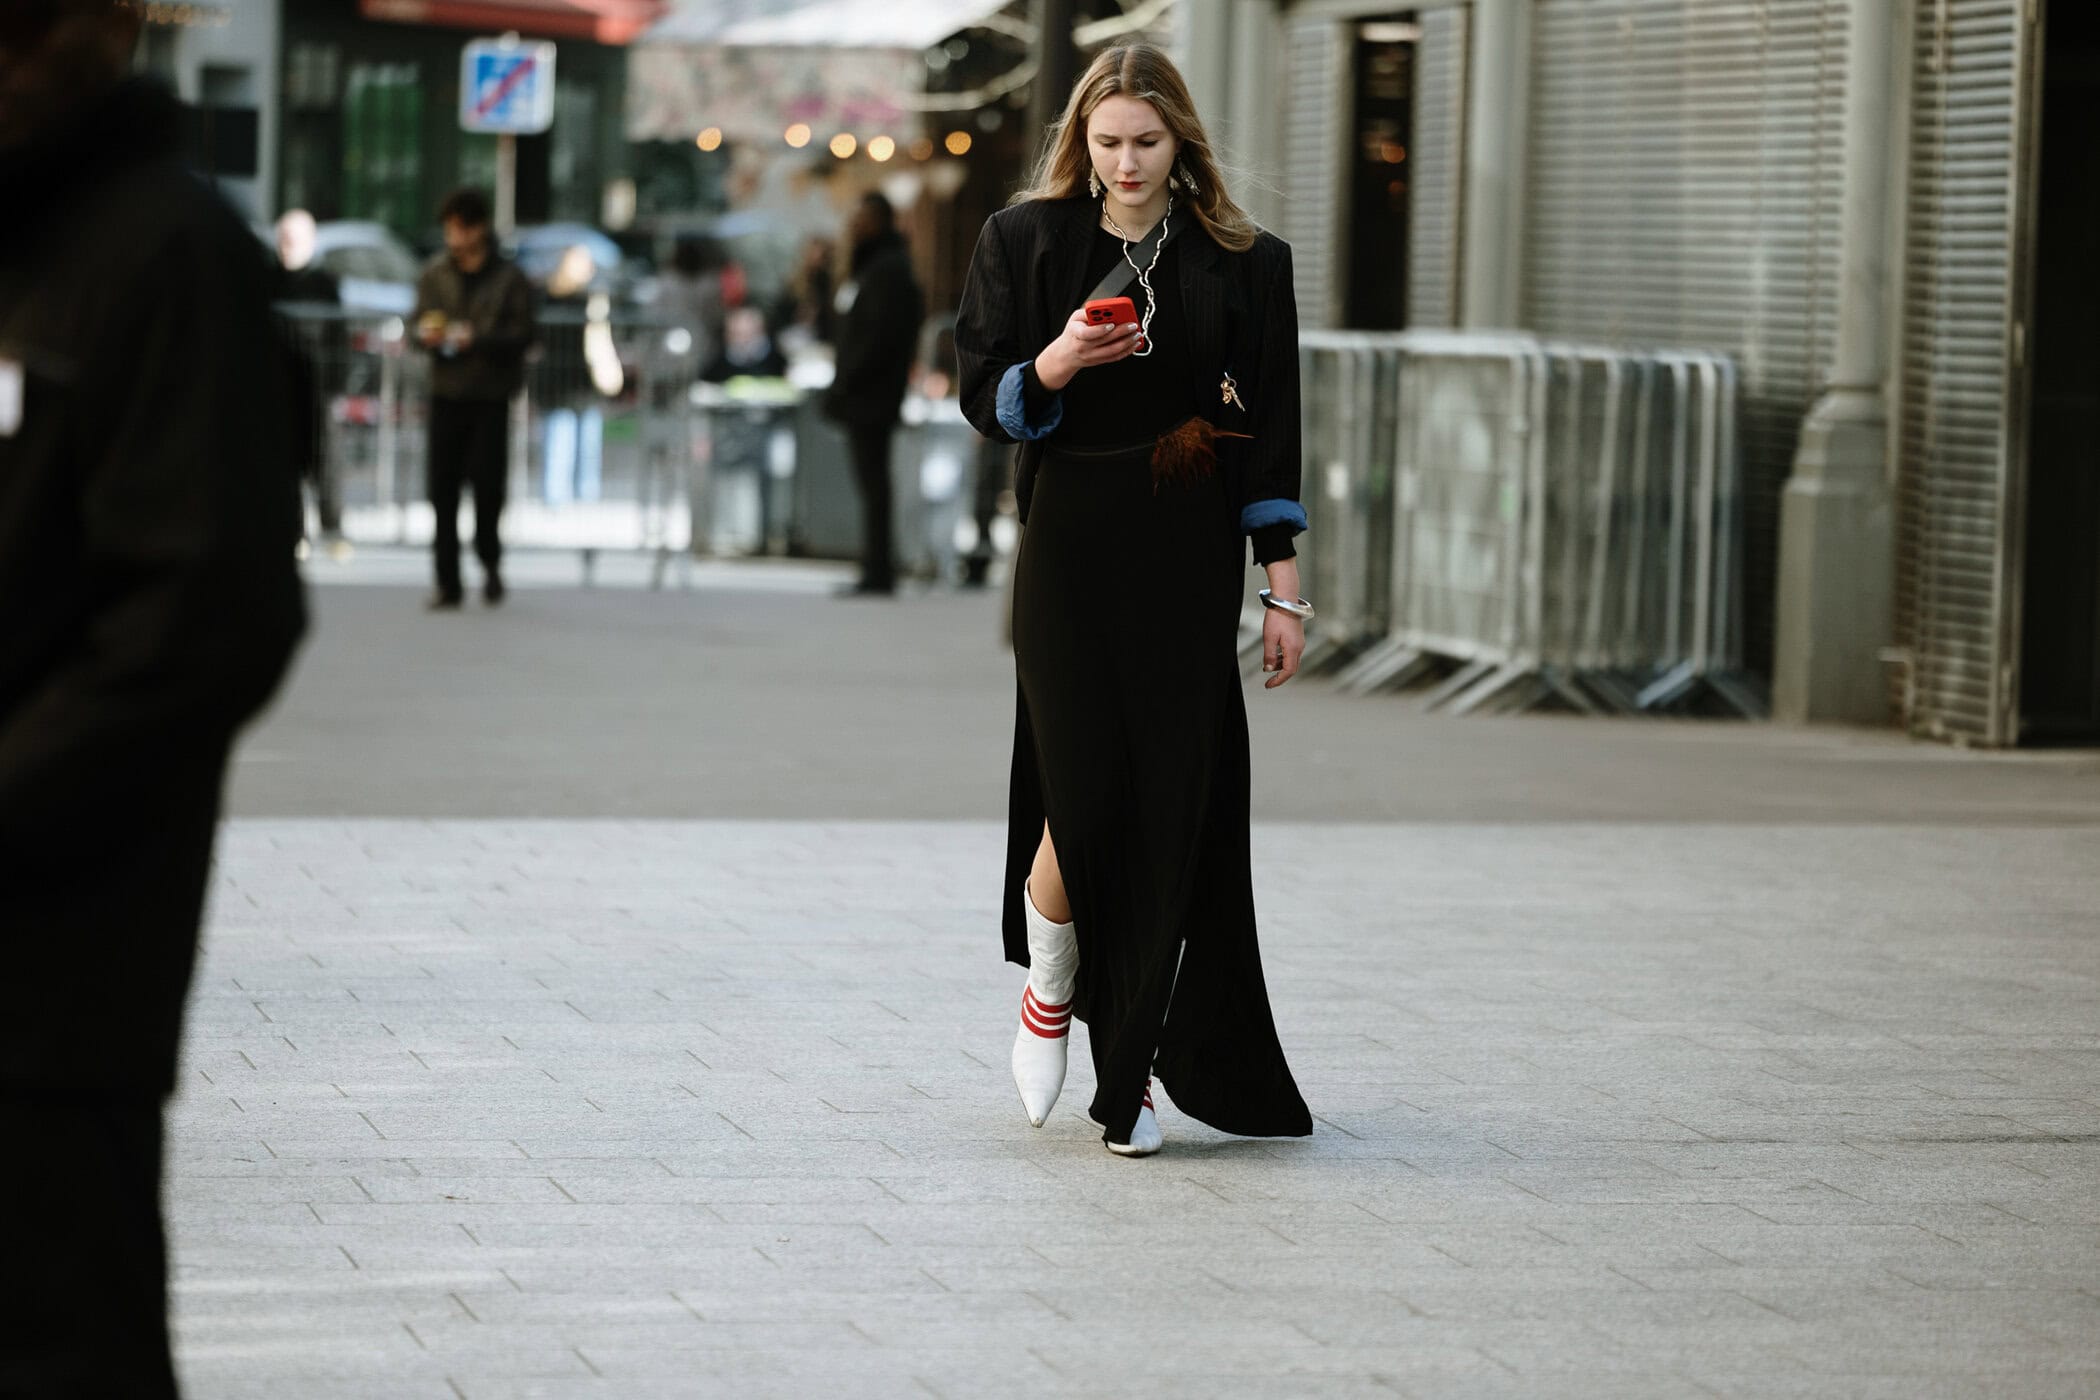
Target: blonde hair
{"type": "Point", "coordinates": [1142, 71]}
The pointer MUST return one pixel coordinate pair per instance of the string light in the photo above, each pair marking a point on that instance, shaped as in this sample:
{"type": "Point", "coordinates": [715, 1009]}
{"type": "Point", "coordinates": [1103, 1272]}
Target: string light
{"type": "Point", "coordinates": [843, 145]}
{"type": "Point", "coordinates": [881, 148]}
{"type": "Point", "coordinates": [179, 15]}
{"type": "Point", "coordinates": [958, 143]}
{"type": "Point", "coordinates": [710, 139]}
{"type": "Point", "coordinates": [798, 135]}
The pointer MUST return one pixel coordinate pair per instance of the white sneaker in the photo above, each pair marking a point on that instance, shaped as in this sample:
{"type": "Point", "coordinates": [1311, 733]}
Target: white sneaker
{"type": "Point", "coordinates": [1145, 1137]}
{"type": "Point", "coordinates": [1046, 1013]}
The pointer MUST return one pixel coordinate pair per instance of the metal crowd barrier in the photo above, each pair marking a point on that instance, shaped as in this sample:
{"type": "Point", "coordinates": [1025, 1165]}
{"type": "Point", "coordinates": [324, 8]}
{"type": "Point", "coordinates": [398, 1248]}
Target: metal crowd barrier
{"type": "Point", "coordinates": [616, 445]}
{"type": "Point", "coordinates": [603, 441]}
{"type": "Point", "coordinates": [1517, 522]}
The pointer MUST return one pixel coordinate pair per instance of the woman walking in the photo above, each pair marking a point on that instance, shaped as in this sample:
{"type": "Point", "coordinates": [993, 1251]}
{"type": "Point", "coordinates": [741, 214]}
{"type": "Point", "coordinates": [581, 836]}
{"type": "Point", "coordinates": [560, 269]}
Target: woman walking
{"type": "Point", "coordinates": [1150, 447]}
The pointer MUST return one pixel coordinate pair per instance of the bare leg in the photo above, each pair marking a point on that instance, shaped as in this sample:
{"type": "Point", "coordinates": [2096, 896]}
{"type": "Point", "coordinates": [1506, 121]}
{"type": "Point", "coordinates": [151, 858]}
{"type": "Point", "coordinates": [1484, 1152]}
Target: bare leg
{"type": "Point", "coordinates": [1046, 885]}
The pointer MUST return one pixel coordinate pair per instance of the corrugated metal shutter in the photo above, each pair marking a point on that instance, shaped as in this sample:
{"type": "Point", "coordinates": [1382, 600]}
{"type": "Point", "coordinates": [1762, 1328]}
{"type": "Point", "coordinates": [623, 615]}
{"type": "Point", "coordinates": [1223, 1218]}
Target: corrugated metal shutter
{"type": "Point", "coordinates": [1436, 157]}
{"type": "Point", "coordinates": [1317, 58]}
{"type": "Point", "coordinates": [1952, 431]}
{"type": "Point", "coordinates": [1684, 178]}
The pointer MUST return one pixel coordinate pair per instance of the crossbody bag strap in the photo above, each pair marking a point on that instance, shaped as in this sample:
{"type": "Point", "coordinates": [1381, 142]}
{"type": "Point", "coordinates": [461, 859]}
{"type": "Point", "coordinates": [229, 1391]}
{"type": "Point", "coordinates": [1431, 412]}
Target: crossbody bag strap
{"type": "Point", "coordinates": [1124, 273]}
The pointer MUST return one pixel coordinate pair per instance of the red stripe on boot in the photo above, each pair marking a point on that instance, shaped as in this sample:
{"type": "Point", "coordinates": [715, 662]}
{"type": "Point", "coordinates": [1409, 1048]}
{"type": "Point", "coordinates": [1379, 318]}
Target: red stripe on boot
{"type": "Point", "coordinates": [1028, 992]}
{"type": "Point", "coordinates": [1051, 1023]}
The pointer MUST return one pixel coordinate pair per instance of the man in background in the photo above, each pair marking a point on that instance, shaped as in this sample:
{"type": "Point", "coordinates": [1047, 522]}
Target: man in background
{"type": "Point", "coordinates": [474, 314]}
{"type": "Point", "coordinates": [149, 604]}
{"type": "Point", "coordinates": [315, 295]}
{"type": "Point", "coordinates": [880, 309]}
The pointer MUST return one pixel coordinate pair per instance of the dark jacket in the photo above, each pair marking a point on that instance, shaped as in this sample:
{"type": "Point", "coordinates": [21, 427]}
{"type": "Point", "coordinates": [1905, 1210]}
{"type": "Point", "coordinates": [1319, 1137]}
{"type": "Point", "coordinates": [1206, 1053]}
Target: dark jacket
{"type": "Point", "coordinates": [499, 310]}
{"type": "Point", "coordinates": [1029, 274]}
{"type": "Point", "coordinates": [149, 601]}
{"type": "Point", "coordinates": [877, 336]}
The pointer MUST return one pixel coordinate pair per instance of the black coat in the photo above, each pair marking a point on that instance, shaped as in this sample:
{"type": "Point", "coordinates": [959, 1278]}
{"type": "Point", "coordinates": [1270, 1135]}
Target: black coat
{"type": "Point", "coordinates": [149, 601]}
{"type": "Point", "coordinates": [877, 337]}
{"type": "Point", "coordinates": [499, 308]}
{"type": "Point", "coordinates": [1027, 277]}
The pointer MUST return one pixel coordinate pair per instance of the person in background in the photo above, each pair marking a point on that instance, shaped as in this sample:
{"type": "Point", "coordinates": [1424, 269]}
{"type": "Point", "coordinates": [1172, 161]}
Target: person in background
{"type": "Point", "coordinates": [309, 288]}
{"type": "Point", "coordinates": [304, 280]}
{"type": "Point", "coordinates": [149, 605]}
{"type": "Point", "coordinates": [474, 315]}
{"type": "Point", "coordinates": [879, 313]}
{"type": "Point", "coordinates": [691, 294]}
{"type": "Point", "coordinates": [807, 304]}
{"type": "Point", "coordinates": [747, 350]}
{"type": "Point", "coordinates": [572, 428]}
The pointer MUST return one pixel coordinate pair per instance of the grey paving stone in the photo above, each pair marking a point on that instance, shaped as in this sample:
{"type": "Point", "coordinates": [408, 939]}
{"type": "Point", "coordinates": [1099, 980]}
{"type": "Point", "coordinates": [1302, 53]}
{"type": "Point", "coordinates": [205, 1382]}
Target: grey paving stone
{"type": "Point", "coordinates": [642, 1108]}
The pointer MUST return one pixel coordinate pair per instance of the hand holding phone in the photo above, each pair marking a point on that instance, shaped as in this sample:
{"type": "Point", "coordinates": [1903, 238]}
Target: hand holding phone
{"type": "Point", "coordinates": [1089, 338]}
{"type": "Point", "coordinates": [1113, 311]}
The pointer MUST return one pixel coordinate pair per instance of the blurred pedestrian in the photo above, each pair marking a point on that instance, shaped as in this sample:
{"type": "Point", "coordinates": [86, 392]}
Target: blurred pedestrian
{"type": "Point", "coordinates": [878, 315]}
{"type": "Point", "coordinates": [748, 350]}
{"type": "Point", "coordinates": [149, 603]}
{"type": "Point", "coordinates": [691, 294]}
{"type": "Point", "coordinates": [315, 295]}
{"type": "Point", "coordinates": [572, 424]}
{"type": "Point", "coordinates": [474, 314]}
{"type": "Point", "coordinates": [1157, 436]}
{"type": "Point", "coordinates": [807, 304]}
{"type": "Point", "coordinates": [880, 308]}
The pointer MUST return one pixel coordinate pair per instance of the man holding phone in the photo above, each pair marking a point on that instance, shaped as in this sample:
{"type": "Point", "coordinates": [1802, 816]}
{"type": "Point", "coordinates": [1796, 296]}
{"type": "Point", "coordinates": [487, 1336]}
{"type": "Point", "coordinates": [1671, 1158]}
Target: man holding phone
{"type": "Point", "coordinates": [474, 315]}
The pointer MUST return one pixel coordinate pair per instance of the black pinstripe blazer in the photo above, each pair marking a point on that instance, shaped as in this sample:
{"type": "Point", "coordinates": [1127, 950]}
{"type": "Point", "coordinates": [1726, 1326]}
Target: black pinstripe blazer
{"type": "Point", "coordinates": [1029, 274]}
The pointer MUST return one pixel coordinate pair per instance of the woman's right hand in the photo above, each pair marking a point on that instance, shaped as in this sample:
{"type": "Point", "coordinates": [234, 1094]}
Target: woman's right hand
{"type": "Point", "coordinates": [1081, 345]}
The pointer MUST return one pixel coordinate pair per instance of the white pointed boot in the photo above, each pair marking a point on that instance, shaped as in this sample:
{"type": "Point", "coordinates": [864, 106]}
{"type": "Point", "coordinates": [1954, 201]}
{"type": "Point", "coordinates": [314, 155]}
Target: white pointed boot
{"type": "Point", "coordinates": [1145, 1136]}
{"type": "Point", "coordinates": [1046, 1012]}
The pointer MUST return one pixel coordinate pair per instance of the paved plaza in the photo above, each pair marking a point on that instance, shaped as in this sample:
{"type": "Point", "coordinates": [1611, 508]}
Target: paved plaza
{"type": "Point", "coordinates": [521, 1066]}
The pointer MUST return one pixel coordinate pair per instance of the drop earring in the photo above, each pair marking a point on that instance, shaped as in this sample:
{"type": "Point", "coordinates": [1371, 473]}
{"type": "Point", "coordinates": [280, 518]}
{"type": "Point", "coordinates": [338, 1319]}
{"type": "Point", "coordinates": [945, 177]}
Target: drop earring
{"type": "Point", "coordinates": [1174, 180]}
{"type": "Point", "coordinates": [1093, 184]}
{"type": "Point", "coordinates": [1186, 181]}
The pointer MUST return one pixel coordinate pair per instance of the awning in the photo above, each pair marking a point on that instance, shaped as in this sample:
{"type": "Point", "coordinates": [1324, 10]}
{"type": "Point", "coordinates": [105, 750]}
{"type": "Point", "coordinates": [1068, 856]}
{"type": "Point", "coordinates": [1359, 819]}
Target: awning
{"type": "Point", "coordinates": [753, 94]}
{"type": "Point", "coordinates": [600, 21]}
{"type": "Point", "coordinates": [754, 69]}
{"type": "Point", "coordinates": [828, 24]}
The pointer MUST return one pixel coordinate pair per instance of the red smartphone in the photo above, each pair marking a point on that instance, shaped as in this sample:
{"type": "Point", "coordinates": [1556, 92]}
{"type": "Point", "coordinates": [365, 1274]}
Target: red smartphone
{"type": "Point", "coordinates": [1113, 311]}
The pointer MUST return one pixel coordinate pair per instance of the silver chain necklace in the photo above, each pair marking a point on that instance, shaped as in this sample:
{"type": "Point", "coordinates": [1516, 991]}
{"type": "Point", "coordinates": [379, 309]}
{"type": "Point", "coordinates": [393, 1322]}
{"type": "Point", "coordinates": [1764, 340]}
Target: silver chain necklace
{"type": "Point", "coordinates": [1144, 274]}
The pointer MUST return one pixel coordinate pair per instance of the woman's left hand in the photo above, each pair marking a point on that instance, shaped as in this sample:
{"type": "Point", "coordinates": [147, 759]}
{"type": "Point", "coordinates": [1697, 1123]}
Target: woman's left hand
{"type": "Point", "coordinates": [1282, 645]}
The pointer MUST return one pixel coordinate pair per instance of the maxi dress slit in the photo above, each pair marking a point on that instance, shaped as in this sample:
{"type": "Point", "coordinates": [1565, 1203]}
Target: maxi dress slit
{"type": "Point", "coordinates": [1131, 742]}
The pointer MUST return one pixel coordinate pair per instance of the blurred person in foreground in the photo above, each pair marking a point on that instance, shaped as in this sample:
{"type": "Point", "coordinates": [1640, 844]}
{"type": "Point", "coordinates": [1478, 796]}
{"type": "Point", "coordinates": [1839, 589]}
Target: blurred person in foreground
{"type": "Point", "coordinates": [880, 308]}
{"type": "Point", "coordinates": [474, 315]}
{"type": "Point", "coordinates": [312, 291]}
{"type": "Point", "coordinates": [149, 604]}
{"type": "Point", "coordinates": [1157, 442]}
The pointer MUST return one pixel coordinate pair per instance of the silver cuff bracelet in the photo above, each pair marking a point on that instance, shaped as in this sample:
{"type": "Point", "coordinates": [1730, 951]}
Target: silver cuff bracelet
{"type": "Point", "coordinates": [1301, 609]}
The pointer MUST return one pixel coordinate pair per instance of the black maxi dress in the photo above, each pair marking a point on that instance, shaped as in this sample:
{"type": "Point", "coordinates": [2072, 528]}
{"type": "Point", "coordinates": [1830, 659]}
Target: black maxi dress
{"type": "Point", "coordinates": [1131, 739]}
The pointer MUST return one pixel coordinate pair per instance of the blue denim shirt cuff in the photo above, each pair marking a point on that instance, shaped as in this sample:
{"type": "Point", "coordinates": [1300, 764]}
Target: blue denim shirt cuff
{"type": "Point", "coordinates": [1276, 511]}
{"type": "Point", "coordinates": [1013, 413]}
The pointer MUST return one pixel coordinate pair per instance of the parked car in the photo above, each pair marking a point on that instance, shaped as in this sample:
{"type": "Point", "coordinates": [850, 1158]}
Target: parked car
{"type": "Point", "coordinates": [377, 271]}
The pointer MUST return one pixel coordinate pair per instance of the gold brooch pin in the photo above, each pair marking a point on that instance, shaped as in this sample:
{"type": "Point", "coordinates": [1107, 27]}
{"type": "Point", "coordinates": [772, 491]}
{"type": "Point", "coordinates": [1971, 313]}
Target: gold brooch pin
{"type": "Point", "coordinates": [1231, 392]}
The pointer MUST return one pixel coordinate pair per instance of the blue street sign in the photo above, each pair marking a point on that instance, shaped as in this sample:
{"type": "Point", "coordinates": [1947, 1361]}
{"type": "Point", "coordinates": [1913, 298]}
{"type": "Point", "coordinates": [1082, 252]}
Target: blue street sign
{"type": "Point", "coordinates": [506, 86]}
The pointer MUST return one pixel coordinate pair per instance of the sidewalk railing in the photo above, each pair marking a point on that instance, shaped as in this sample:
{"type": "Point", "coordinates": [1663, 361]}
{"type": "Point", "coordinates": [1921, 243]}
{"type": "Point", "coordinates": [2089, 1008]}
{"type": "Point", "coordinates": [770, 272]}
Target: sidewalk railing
{"type": "Point", "coordinates": [1518, 522]}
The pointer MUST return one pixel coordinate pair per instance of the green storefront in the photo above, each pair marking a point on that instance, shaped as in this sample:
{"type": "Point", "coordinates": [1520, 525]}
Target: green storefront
{"type": "Point", "coordinates": [371, 117]}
